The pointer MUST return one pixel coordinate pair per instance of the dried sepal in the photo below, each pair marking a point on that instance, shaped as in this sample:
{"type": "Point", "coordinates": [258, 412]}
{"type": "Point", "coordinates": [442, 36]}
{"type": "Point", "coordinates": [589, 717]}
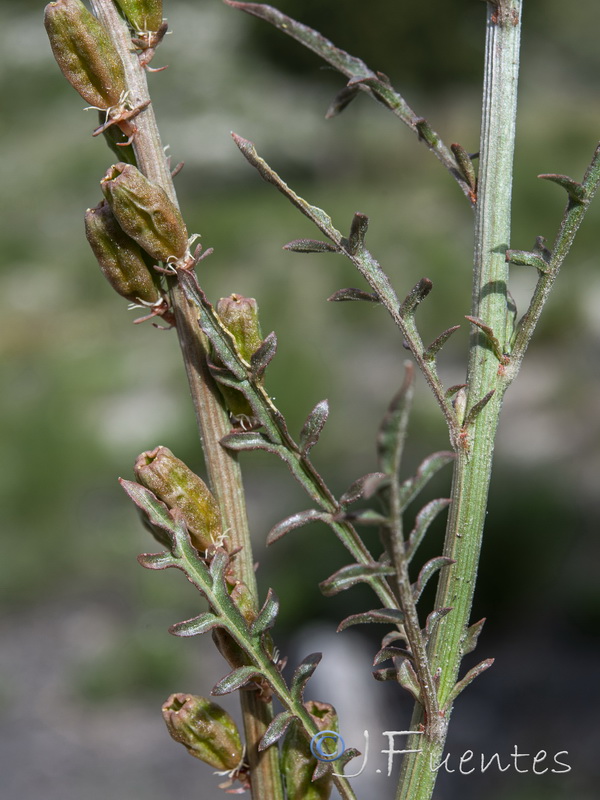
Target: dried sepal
{"type": "Point", "coordinates": [85, 53]}
{"type": "Point", "coordinates": [120, 257]}
{"type": "Point", "coordinates": [145, 212]}
{"type": "Point", "coordinates": [205, 729]}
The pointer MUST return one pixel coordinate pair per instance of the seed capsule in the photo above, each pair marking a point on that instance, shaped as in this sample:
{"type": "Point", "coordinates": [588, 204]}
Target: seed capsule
{"type": "Point", "coordinates": [120, 258]}
{"type": "Point", "coordinates": [299, 763]}
{"type": "Point", "coordinates": [145, 212]}
{"type": "Point", "coordinates": [85, 53]}
{"type": "Point", "coordinates": [240, 316]}
{"type": "Point", "coordinates": [143, 15]}
{"type": "Point", "coordinates": [205, 729]}
{"type": "Point", "coordinates": [178, 487]}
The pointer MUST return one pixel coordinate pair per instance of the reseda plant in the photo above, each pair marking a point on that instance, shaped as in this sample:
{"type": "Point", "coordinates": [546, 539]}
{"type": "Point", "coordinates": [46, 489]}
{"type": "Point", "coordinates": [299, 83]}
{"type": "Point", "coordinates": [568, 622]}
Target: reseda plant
{"type": "Point", "coordinates": [145, 251]}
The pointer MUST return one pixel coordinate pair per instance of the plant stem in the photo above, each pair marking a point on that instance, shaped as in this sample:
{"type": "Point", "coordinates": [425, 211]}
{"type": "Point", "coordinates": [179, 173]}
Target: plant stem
{"type": "Point", "coordinates": [474, 459]}
{"type": "Point", "coordinates": [213, 423]}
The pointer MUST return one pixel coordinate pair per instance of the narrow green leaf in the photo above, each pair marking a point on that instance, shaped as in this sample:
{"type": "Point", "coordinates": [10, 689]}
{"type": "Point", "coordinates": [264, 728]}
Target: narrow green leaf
{"type": "Point", "coordinates": [422, 522]}
{"type": "Point", "coordinates": [392, 431]}
{"type": "Point", "coordinates": [407, 678]}
{"type": "Point", "coordinates": [235, 680]}
{"type": "Point", "coordinates": [434, 348]}
{"type": "Point", "coordinates": [156, 560]}
{"type": "Point", "coordinates": [388, 616]}
{"type": "Point", "coordinates": [523, 258]}
{"type": "Point", "coordinates": [310, 246]}
{"type": "Point", "coordinates": [266, 616]}
{"type": "Point", "coordinates": [303, 672]}
{"type": "Point", "coordinates": [276, 729]}
{"type": "Point", "coordinates": [469, 678]}
{"type": "Point", "coordinates": [415, 296]}
{"type": "Point", "coordinates": [427, 469]}
{"type": "Point", "coordinates": [296, 521]}
{"type": "Point", "coordinates": [311, 430]}
{"type": "Point", "coordinates": [197, 625]}
{"type": "Point", "coordinates": [576, 191]}
{"type": "Point", "coordinates": [349, 294]}
{"type": "Point", "coordinates": [472, 635]}
{"type": "Point", "coordinates": [428, 571]}
{"type": "Point", "coordinates": [351, 575]}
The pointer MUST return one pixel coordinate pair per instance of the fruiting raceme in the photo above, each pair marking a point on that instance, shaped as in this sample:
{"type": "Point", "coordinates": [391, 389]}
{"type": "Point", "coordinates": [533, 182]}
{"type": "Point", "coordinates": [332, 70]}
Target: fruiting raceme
{"type": "Point", "coordinates": [143, 15]}
{"type": "Point", "coordinates": [85, 54]}
{"type": "Point", "coordinates": [299, 763]}
{"type": "Point", "coordinates": [205, 729]}
{"type": "Point", "coordinates": [179, 488]}
{"type": "Point", "coordinates": [145, 212]}
{"type": "Point", "coordinates": [119, 256]}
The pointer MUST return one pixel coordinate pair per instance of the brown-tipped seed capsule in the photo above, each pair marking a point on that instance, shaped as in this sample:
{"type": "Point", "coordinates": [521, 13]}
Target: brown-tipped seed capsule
{"type": "Point", "coordinates": [240, 316]}
{"type": "Point", "coordinates": [145, 212]}
{"type": "Point", "coordinates": [299, 763]}
{"type": "Point", "coordinates": [120, 258]}
{"type": "Point", "coordinates": [178, 487]}
{"type": "Point", "coordinates": [85, 53]}
{"type": "Point", "coordinates": [143, 15]}
{"type": "Point", "coordinates": [205, 729]}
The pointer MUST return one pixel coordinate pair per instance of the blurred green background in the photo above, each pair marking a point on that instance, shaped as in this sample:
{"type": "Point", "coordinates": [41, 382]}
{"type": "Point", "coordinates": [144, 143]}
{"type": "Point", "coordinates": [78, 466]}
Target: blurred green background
{"type": "Point", "coordinates": [85, 661]}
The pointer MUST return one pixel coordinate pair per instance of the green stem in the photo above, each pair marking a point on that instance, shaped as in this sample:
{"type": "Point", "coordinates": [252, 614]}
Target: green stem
{"type": "Point", "coordinates": [474, 456]}
{"type": "Point", "coordinates": [213, 423]}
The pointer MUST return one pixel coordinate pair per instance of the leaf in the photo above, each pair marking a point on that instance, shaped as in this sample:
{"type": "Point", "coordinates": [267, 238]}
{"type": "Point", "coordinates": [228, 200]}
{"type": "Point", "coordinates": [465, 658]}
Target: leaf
{"type": "Point", "coordinates": [153, 509]}
{"type": "Point", "coordinates": [407, 678]}
{"type": "Point", "coordinates": [311, 430]}
{"type": "Point", "coordinates": [218, 565]}
{"type": "Point", "coordinates": [428, 571]}
{"type": "Point", "coordinates": [261, 358]}
{"type": "Point", "coordinates": [341, 101]}
{"type": "Point", "coordinates": [253, 440]}
{"type": "Point", "coordinates": [156, 560]}
{"type": "Point", "coordinates": [525, 259]}
{"type": "Point", "coordinates": [392, 431]}
{"type": "Point", "coordinates": [434, 348]}
{"type": "Point", "coordinates": [465, 165]}
{"type": "Point", "coordinates": [358, 231]}
{"type": "Point", "coordinates": [422, 522]}
{"type": "Point", "coordinates": [491, 337]}
{"type": "Point", "coordinates": [434, 619]}
{"type": "Point", "coordinates": [197, 625]}
{"type": "Point", "coordinates": [469, 678]}
{"type": "Point", "coordinates": [296, 521]}
{"type": "Point", "coordinates": [471, 637]}
{"type": "Point", "coordinates": [365, 516]}
{"type": "Point", "coordinates": [366, 484]}
{"type": "Point", "coordinates": [454, 389]}
{"type": "Point", "coordinates": [235, 680]}
{"type": "Point", "coordinates": [304, 671]}
{"type": "Point", "coordinates": [266, 616]}
{"type": "Point", "coordinates": [310, 246]}
{"type": "Point", "coordinates": [427, 469]}
{"type": "Point", "coordinates": [576, 191]}
{"type": "Point", "coordinates": [349, 576]}
{"type": "Point", "coordinates": [276, 729]}
{"type": "Point", "coordinates": [388, 616]}
{"type": "Point", "coordinates": [386, 674]}
{"type": "Point", "coordinates": [416, 295]}
{"type": "Point", "coordinates": [476, 410]}
{"type": "Point", "coordinates": [345, 295]}
{"type": "Point", "coordinates": [390, 652]}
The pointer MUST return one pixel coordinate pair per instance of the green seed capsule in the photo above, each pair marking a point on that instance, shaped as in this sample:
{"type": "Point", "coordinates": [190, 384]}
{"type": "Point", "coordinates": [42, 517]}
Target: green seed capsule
{"type": "Point", "coordinates": [178, 487]}
{"type": "Point", "coordinates": [145, 212]}
{"type": "Point", "coordinates": [85, 53]}
{"type": "Point", "coordinates": [120, 258]}
{"type": "Point", "coordinates": [299, 763]}
{"type": "Point", "coordinates": [205, 729]}
{"type": "Point", "coordinates": [240, 316]}
{"type": "Point", "coordinates": [143, 15]}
